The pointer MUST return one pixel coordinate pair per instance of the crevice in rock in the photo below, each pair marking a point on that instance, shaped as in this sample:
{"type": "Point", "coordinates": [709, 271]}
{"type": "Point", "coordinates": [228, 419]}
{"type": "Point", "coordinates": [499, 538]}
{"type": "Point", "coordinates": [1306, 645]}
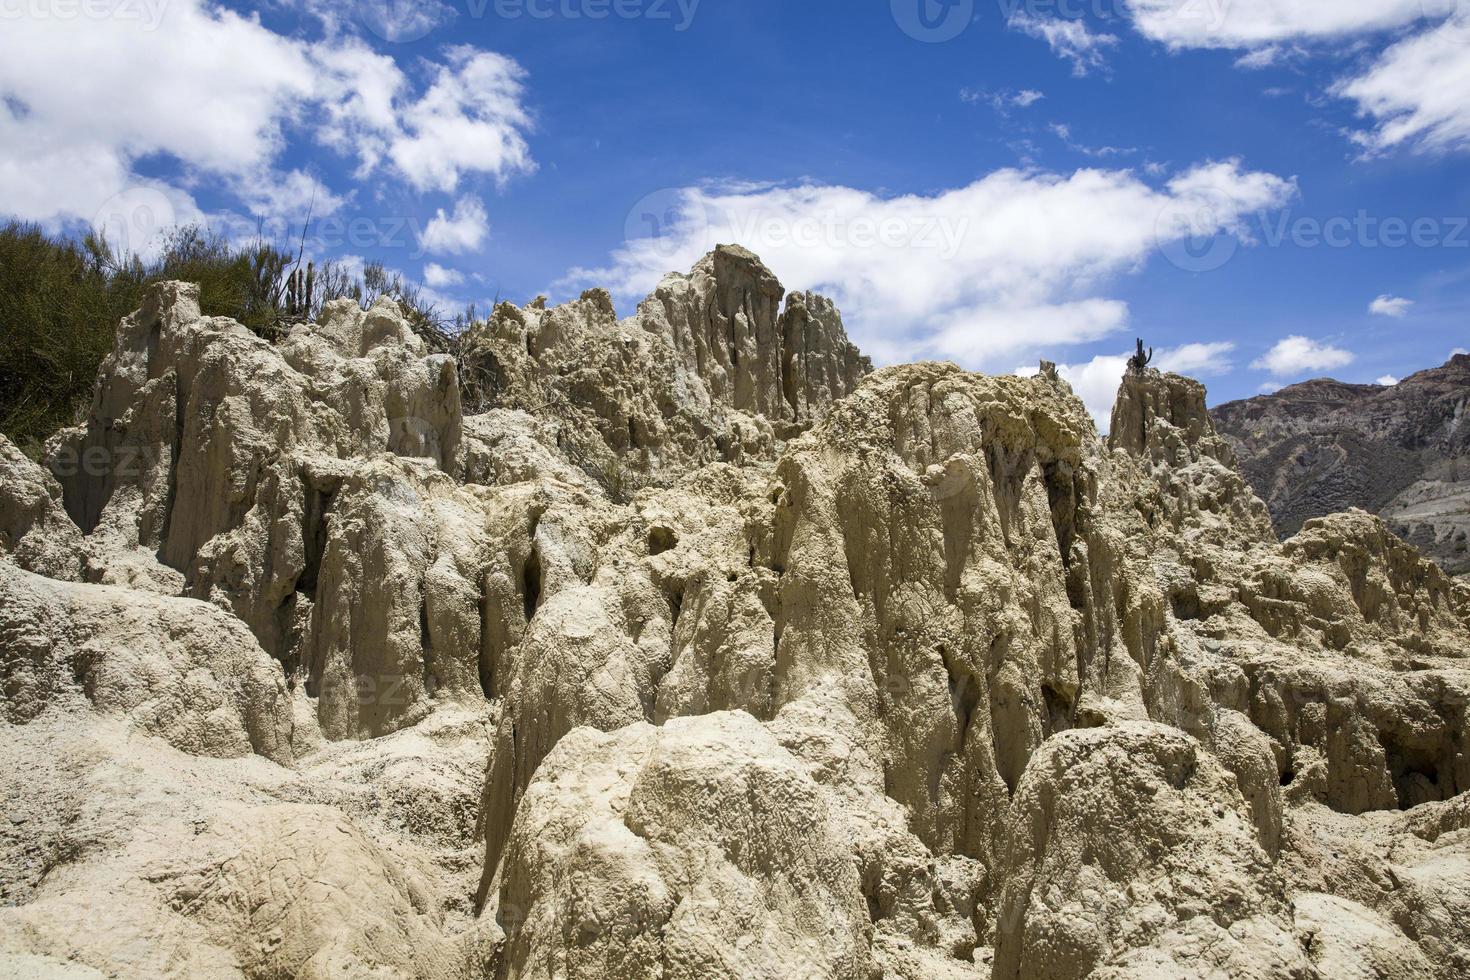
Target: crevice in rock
{"type": "Point", "coordinates": [488, 654]}
{"type": "Point", "coordinates": [316, 512]}
{"type": "Point", "coordinates": [166, 525]}
{"type": "Point", "coordinates": [426, 645]}
{"type": "Point", "coordinates": [531, 582]}
{"type": "Point", "coordinates": [964, 695]}
{"type": "Point", "coordinates": [1062, 496]}
{"type": "Point", "coordinates": [1007, 477]}
{"type": "Point", "coordinates": [1007, 718]}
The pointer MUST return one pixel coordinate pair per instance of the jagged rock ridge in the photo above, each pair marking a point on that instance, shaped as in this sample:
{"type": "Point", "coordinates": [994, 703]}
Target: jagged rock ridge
{"type": "Point", "coordinates": [683, 646]}
{"type": "Point", "coordinates": [1402, 452]}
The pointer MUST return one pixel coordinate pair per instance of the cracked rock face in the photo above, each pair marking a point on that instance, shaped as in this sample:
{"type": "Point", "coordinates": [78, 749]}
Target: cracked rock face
{"type": "Point", "coordinates": [687, 646]}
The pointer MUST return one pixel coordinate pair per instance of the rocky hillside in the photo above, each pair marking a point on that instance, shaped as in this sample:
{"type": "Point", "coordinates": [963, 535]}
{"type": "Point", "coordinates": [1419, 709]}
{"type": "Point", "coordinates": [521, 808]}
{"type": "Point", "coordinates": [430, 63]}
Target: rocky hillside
{"type": "Point", "coordinates": [685, 646]}
{"type": "Point", "coordinates": [1402, 452]}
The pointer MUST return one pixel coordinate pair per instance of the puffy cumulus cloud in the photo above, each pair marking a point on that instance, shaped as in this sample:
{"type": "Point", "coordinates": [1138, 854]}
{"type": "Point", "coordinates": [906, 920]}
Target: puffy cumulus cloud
{"type": "Point", "coordinates": [225, 97]}
{"type": "Point", "coordinates": [470, 120]}
{"type": "Point", "coordinates": [1069, 39]}
{"type": "Point", "coordinates": [1417, 93]}
{"type": "Point", "coordinates": [1388, 381]}
{"type": "Point", "coordinates": [1016, 263]}
{"type": "Point", "coordinates": [1296, 356]}
{"type": "Point", "coordinates": [206, 86]}
{"type": "Point", "coordinates": [463, 231]}
{"type": "Point", "coordinates": [438, 277]}
{"type": "Point", "coordinates": [1392, 306]}
{"type": "Point", "coordinates": [1263, 23]}
{"type": "Point", "coordinates": [1096, 381]}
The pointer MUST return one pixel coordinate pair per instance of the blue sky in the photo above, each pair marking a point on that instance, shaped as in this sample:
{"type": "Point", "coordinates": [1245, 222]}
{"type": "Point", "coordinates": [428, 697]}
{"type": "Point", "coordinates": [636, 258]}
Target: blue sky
{"type": "Point", "coordinates": [1265, 191]}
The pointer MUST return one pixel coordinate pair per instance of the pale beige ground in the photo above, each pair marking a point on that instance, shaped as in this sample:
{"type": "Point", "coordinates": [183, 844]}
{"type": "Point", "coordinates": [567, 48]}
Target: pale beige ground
{"type": "Point", "coordinates": [697, 650]}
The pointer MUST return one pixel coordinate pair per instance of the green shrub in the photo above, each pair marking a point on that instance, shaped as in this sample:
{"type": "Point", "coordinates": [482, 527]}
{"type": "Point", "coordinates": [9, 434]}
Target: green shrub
{"type": "Point", "coordinates": [61, 300]}
{"type": "Point", "coordinates": [59, 307]}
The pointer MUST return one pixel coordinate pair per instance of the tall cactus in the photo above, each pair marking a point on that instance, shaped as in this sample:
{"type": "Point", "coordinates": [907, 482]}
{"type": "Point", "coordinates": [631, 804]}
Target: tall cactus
{"type": "Point", "coordinates": [300, 291]}
{"type": "Point", "coordinates": [1140, 361]}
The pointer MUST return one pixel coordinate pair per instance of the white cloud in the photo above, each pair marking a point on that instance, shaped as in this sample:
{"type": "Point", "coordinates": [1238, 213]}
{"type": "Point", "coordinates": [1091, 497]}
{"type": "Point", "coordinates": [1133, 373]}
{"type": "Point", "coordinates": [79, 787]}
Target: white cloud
{"type": "Point", "coordinates": [1295, 356]}
{"type": "Point", "coordinates": [1096, 381]}
{"type": "Point", "coordinates": [1001, 101]}
{"type": "Point", "coordinates": [1015, 263]}
{"type": "Point", "coordinates": [1197, 360]}
{"type": "Point", "coordinates": [463, 231]}
{"type": "Point", "coordinates": [1417, 93]}
{"type": "Point", "coordinates": [82, 99]}
{"type": "Point", "coordinates": [1388, 381]}
{"type": "Point", "coordinates": [206, 86]}
{"type": "Point", "coordinates": [1458, 351]}
{"type": "Point", "coordinates": [1392, 306]}
{"type": "Point", "coordinates": [470, 120]}
{"type": "Point", "coordinates": [1261, 23]}
{"type": "Point", "coordinates": [1258, 59]}
{"type": "Point", "coordinates": [979, 335]}
{"type": "Point", "coordinates": [286, 197]}
{"type": "Point", "coordinates": [1269, 388]}
{"type": "Point", "coordinates": [438, 277]}
{"type": "Point", "coordinates": [1063, 132]}
{"type": "Point", "coordinates": [1069, 39]}
{"type": "Point", "coordinates": [399, 23]}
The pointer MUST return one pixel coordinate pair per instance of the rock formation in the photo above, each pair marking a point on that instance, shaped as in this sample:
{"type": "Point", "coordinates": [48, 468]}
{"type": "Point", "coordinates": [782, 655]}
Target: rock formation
{"type": "Point", "coordinates": [1401, 452]}
{"type": "Point", "coordinates": [686, 646]}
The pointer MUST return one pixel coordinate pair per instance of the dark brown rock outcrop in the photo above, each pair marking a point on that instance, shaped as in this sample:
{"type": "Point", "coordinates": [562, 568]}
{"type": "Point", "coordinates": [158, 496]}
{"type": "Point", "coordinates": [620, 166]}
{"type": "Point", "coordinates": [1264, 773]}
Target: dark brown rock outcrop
{"type": "Point", "coordinates": [1402, 452]}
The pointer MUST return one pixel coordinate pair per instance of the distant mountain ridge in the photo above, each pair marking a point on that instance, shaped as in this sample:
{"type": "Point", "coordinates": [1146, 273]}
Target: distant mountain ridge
{"type": "Point", "coordinates": [1402, 452]}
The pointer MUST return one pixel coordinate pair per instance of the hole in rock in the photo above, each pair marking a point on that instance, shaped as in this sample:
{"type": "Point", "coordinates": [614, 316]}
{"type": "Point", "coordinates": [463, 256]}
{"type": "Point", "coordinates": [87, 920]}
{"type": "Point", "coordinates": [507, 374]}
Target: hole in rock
{"type": "Point", "coordinates": [1059, 709]}
{"type": "Point", "coordinates": [1185, 604]}
{"type": "Point", "coordinates": [1420, 772]}
{"type": "Point", "coordinates": [661, 539]}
